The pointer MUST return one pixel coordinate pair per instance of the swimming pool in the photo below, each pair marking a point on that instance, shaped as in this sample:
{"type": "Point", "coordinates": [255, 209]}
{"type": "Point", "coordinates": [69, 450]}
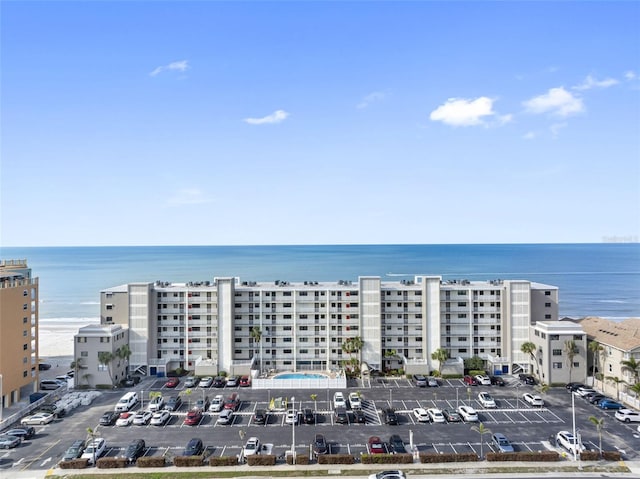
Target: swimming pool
{"type": "Point", "coordinates": [300, 376]}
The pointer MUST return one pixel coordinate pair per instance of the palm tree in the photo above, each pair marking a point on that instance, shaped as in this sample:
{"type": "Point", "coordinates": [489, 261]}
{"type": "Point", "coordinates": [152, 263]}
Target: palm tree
{"type": "Point", "coordinates": [105, 358]}
{"type": "Point", "coordinates": [124, 352]}
{"type": "Point", "coordinates": [633, 366]}
{"type": "Point", "coordinates": [314, 398]}
{"type": "Point", "coordinates": [440, 355]}
{"type": "Point", "coordinates": [153, 395]}
{"type": "Point", "coordinates": [636, 390]}
{"type": "Point", "coordinates": [595, 347]}
{"type": "Point", "coordinates": [352, 346]}
{"type": "Point", "coordinates": [529, 348]}
{"type": "Point", "coordinates": [615, 380]}
{"type": "Point", "coordinates": [599, 424]}
{"type": "Point", "coordinates": [92, 435]}
{"type": "Point", "coordinates": [480, 429]}
{"type": "Point", "coordinates": [570, 349]}
{"type": "Point", "coordinates": [256, 335]}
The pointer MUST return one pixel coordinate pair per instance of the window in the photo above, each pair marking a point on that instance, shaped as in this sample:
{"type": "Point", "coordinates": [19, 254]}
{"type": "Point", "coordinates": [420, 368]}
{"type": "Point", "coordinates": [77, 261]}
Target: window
{"type": "Point", "coordinates": [24, 333]}
{"type": "Point", "coordinates": [547, 316]}
{"type": "Point", "coordinates": [557, 366]}
{"type": "Point", "coordinates": [577, 337]}
{"type": "Point", "coordinates": [576, 365]}
{"type": "Point", "coordinates": [557, 352]}
{"type": "Point", "coordinates": [109, 306]}
{"type": "Point", "coordinates": [84, 354]}
{"type": "Point", "coordinates": [24, 320]}
{"type": "Point", "coordinates": [547, 305]}
{"type": "Point", "coordinates": [547, 293]}
{"type": "Point", "coordinates": [462, 304]}
{"type": "Point", "coordinates": [25, 347]}
{"type": "Point", "coordinates": [554, 337]}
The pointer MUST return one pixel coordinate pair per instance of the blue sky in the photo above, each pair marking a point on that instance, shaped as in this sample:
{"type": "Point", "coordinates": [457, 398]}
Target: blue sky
{"type": "Point", "coordinates": [155, 123]}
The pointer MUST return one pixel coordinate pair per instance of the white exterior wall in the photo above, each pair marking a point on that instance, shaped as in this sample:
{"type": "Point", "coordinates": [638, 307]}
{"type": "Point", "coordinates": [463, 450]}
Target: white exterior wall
{"type": "Point", "coordinates": [370, 321]}
{"type": "Point", "coordinates": [225, 323]}
{"type": "Point", "coordinates": [519, 319]}
{"type": "Point", "coordinates": [140, 327]}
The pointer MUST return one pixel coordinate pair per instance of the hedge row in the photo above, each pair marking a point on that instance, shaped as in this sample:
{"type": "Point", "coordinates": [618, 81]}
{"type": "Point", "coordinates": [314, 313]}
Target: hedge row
{"type": "Point", "coordinates": [301, 460]}
{"type": "Point", "coordinates": [386, 458]}
{"type": "Point", "coordinates": [188, 461]}
{"type": "Point", "coordinates": [527, 456]}
{"type": "Point", "coordinates": [111, 463]}
{"type": "Point", "coordinates": [595, 455]}
{"type": "Point", "coordinates": [261, 460]}
{"type": "Point", "coordinates": [74, 464]}
{"type": "Point", "coordinates": [431, 458]}
{"type": "Point", "coordinates": [223, 461]}
{"type": "Point", "coordinates": [336, 459]}
{"type": "Point", "coordinates": [151, 461]}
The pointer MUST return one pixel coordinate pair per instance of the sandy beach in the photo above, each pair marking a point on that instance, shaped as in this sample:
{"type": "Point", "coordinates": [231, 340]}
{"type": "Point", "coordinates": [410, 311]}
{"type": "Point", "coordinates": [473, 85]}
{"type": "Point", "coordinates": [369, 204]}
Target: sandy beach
{"type": "Point", "coordinates": [56, 338]}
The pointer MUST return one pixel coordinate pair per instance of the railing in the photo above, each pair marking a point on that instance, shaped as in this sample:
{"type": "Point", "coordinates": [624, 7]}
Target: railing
{"type": "Point", "coordinates": [8, 421]}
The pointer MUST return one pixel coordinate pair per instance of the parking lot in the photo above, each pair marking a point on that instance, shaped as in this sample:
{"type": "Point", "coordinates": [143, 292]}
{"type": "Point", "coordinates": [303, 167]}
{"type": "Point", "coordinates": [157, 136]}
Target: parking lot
{"type": "Point", "coordinates": [528, 428]}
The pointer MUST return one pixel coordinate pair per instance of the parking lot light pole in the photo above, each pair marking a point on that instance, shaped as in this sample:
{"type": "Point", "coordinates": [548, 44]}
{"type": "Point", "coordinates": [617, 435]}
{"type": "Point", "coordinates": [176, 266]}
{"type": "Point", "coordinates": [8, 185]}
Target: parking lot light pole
{"type": "Point", "coordinates": [293, 431]}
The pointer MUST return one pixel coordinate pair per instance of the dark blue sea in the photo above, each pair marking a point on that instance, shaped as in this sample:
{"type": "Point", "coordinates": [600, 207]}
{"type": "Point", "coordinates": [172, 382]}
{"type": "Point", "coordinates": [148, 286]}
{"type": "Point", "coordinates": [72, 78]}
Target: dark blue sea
{"type": "Point", "coordinates": [594, 279]}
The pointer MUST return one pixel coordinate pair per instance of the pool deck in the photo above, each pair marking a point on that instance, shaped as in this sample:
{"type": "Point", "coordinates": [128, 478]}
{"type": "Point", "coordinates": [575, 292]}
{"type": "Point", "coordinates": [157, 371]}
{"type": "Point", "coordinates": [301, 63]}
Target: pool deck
{"type": "Point", "coordinates": [329, 380]}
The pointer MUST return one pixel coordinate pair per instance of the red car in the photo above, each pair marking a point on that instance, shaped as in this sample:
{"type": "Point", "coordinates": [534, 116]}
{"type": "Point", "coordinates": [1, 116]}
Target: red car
{"type": "Point", "coordinates": [470, 381]}
{"type": "Point", "coordinates": [193, 417]}
{"type": "Point", "coordinates": [376, 446]}
{"type": "Point", "coordinates": [172, 382]}
{"type": "Point", "coordinates": [245, 381]}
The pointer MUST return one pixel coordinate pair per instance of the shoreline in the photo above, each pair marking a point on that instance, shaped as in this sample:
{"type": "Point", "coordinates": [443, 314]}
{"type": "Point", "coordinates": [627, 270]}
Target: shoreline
{"type": "Point", "coordinates": [56, 339]}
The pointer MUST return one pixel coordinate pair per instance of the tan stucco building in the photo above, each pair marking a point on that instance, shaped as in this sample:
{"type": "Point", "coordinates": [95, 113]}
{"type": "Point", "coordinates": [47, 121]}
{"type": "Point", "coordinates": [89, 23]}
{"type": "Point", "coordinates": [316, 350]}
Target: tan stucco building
{"type": "Point", "coordinates": [18, 331]}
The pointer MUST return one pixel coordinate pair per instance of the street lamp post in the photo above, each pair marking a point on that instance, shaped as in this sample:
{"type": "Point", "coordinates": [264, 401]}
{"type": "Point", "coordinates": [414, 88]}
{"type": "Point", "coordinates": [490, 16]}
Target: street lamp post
{"type": "Point", "coordinates": [293, 431]}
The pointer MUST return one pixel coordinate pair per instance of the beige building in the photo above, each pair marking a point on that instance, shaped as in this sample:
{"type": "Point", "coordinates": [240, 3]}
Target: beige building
{"type": "Point", "coordinates": [89, 342]}
{"type": "Point", "coordinates": [18, 331]}
{"type": "Point", "coordinates": [304, 325]}
{"type": "Point", "coordinates": [553, 363]}
{"type": "Point", "coordinates": [620, 341]}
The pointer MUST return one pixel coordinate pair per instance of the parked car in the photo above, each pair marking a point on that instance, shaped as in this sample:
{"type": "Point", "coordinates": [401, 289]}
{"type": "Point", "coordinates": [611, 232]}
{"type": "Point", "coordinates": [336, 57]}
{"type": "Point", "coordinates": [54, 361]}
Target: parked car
{"type": "Point", "coordinates": [527, 379]}
{"type": "Point", "coordinates": [9, 442]}
{"type": "Point", "coordinates": [501, 442]}
{"type": "Point", "coordinates": [421, 414]}
{"type": "Point", "coordinates": [596, 398]}
{"type": "Point", "coordinates": [193, 417]}
{"type": "Point", "coordinates": [125, 419]}
{"type": "Point", "coordinates": [172, 382]}
{"type": "Point", "coordinates": [252, 446]}
{"type": "Point", "coordinates": [206, 382]}
{"type": "Point", "coordinates": [156, 403]}
{"type": "Point", "coordinates": [25, 432]}
{"type": "Point", "coordinates": [395, 474]}
{"type": "Point", "coordinates": [291, 417]}
{"type": "Point", "coordinates": [160, 418]}
{"type": "Point", "coordinates": [341, 416]}
{"type": "Point", "coordinates": [354, 401]}
{"type": "Point", "coordinates": [260, 416]}
{"type": "Point", "coordinates": [191, 382]}
{"type": "Point", "coordinates": [319, 445]}
{"type": "Point", "coordinates": [245, 382]}
{"type": "Point", "coordinates": [609, 404]}
{"type": "Point", "coordinates": [627, 415]}
{"type": "Point", "coordinates": [142, 418]}
{"type": "Point", "coordinates": [432, 382]}
{"type": "Point", "coordinates": [203, 403]}
{"type": "Point", "coordinates": [232, 402]}
{"type": "Point", "coordinates": [533, 399]}
{"type": "Point", "coordinates": [573, 386]}
{"type": "Point", "coordinates": [225, 417]}
{"type": "Point", "coordinates": [308, 416]}
{"type": "Point", "coordinates": [54, 408]}
{"type": "Point", "coordinates": [390, 416]}
{"type": "Point", "coordinates": [134, 450]}
{"type": "Point", "coordinates": [376, 446]}
{"type": "Point", "coordinates": [359, 416]}
{"type": "Point", "coordinates": [44, 366]}
{"type": "Point", "coordinates": [435, 415]}
{"type": "Point", "coordinates": [94, 450]}
{"type": "Point", "coordinates": [483, 380]}
{"type": "Point", "coordinates": [109, 418]}
{"type": "Point", "coordinates": [584, 390]}
{"type": "Point", "coordinates": [74, 451]}
{"type": "Point", "coordinates": [232, 382]}
{"type": "Point", "coordinates": [173, 403]}
{"type": "Point", "coordinates": [217, 404]}
{"type": "Point", "coordinates": [451, 416]}
{"type": "Point", "coordinates": [419, 380]}
{"type": "Point", "coordinates": [39, 418]}
{"type": "Point", "coordinates": [468, 414]}
{"type": "Point", "coordinates": [497, 381]}
{"type": "Point", "coordinates": [470, 380]}
{"type": "Point", "coordinates": [219, 382]}
{"type": "Point", "coordinates": [338, 400]}
{"type": "Point", "coordinates": [567, 440]}
{"type": "Point", "coordinates": [397, 444]}
{"type": "Point", "coordinates": [194, 447]}
{"type": "Point", "coordinates": [486, 400]}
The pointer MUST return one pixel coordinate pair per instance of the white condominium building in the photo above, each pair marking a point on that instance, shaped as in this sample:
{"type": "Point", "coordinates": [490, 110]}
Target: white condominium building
{"type": "Point", "coordinates": [237, 325]}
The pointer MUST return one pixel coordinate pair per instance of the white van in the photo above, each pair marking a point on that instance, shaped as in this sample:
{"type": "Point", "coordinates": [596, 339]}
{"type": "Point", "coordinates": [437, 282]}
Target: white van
{"type": "Point", "coordinates": [126, 402]}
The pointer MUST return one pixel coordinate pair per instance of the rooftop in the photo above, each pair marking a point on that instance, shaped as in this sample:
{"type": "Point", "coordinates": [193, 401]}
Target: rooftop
{"type": "Point", "coordinates": [623, 335]}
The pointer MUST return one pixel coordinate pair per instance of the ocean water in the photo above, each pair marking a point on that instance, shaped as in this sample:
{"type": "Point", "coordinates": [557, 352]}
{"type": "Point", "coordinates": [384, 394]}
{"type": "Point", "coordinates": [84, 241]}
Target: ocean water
{"type": "Point", "coordinates": [594, 279]}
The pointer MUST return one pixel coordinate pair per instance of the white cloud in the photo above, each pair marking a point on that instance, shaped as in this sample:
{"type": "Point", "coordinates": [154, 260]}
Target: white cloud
{"type": "Point", "coordinates": [556, 101]}
{"type": "Point", "coordinates": [463, 112]}
{"type": "Point", "coordinates": [591, 82]}
{"type": "Point", "coordinates": [630, 75]}
{"type": "Point", "coordinates": [277, 116]}
{"type": "Point", "coordinates": [180, 66]}
{"type": "Point", "coordinates": [530, 135]}
{"type": "Point", "coordinates": [370, 98]}
{"type": "Point", "coordinates": [188, 196]}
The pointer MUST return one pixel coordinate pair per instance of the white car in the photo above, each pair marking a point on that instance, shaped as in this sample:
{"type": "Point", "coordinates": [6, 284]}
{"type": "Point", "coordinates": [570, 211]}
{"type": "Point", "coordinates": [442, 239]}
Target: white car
{"type": "Point", "coordinates": [421, 414]}
{"type": "Point", "coordinates": [486, 400]}
{"type": "Point", "coordinates": [533, 399]}
{"type": "Point", "coordinates": [252, 447]}
{"type": "Point", "coordinates": [156, 404]}
{"type": "Point", "coordinates": [125, 419]}
{"type": "Point", "coordinates": [436, 415]}
{"type": "Point", "coordinates": [206, 382]}
{"type": "Point", "coordinates": [583, 391]}
{"type": "Point", "coordinates": [627, 415]}
{"type": "Point", "coordinates": [39, 418]}
{"type": "Point", "coordinates": [354, 401]}
{"type": "Point", "coordinates": [225, 417]}
{"type": "Point", "coordinates": [142, 418]}
{"type": "Point", "coordinates": [338, 400]}
{"type": "Point", "coordinates": [567, 440]}
{"type": "Point", "coordinates": [98, 445]}
{"type": "Point", "coordinates": [291, 417]}
{"type": "Point", "coordinates": [217, 404]}
{"type": "Point", "coordinates": [160, 418]}
{"type": "Point", "coordinates": [388, 475]}
{"type": "Point", "coordinates": [483, 380]}
{"type": "Point", "coordinates": [468, 414]}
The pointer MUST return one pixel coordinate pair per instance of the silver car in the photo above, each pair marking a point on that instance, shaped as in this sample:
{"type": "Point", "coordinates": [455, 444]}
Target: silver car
{"type": "Point", "coordinates": [7, 442]}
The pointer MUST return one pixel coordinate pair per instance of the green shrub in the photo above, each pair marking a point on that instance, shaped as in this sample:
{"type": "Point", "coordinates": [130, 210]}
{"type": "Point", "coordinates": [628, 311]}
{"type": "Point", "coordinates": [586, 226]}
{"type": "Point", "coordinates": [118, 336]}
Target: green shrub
{"type": "Point", "coordinates": [104, 386]}
{"type": "Point", "coordinates": [526, 456]}
{"type": "Point", "coordinates": [261, 460]}
{"type": "Point", "coordinates": [223, 461]}
{"type": "Point", "coordinates": [386, 459]}
{"type": "Point", "coordinates": [301, 459]}
{"type": "Point", "coordinates": [151, 461]}
{"type": "Point", "coordinates": [111, 463]}
{"type": "Point", "coordinates": [432, 458]}
{"type": "Point", "coordinates": [74, 464]}
{"type": "Point", "coordinates": [336, 459]}
{"type": "Point", "coordinates": [188, 461]}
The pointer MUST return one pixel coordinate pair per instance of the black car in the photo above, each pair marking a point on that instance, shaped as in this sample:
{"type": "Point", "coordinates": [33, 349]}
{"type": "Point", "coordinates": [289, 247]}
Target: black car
{"type": "Point", "coordinates": [109, 418]}
{"type": "Point", "coordinates": [596, 398]}
{"type": "Point", "coordinates": [527, 379]}
{"type": "Point", "coordinates": [75, 450]}
{"type": "Point", "coordinates": [44, 366]}
{"type": "Point", "coordinates": [397, 445]}
{"type": "Point", "coordinates": [260, 416]}
{"type": "Point", "coordinates": [194, 447]}
{"type": "Point", "coordinates": [173, 404]}
{"type": "Point", "coordinates": [341, 416]}
{"type": "Point", "coordinates": [575, 386]}
{"type": "Point", "coordinates": [390, 416]}
{"type": "Point", "coordinates": [451, 416]}
{"type": "Point", "coordinates": [308, 416]}
{"type": "Point", "coordinates": [496, 381]}
{"type": "Point", "coordinates": [319, 445]}
{"type": "Point", "coordinates": [130, 381]}
{"type": "Point", "coordinates": [219, 382]}
{"type": "Point", "coordinates": [24, 432]}
{"type": "Point", "coordinates": [359, 416]}
{"type": "Point", "coordinates": [134, 450]}
{"type": "Point", "coordinates": [570, 385]}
